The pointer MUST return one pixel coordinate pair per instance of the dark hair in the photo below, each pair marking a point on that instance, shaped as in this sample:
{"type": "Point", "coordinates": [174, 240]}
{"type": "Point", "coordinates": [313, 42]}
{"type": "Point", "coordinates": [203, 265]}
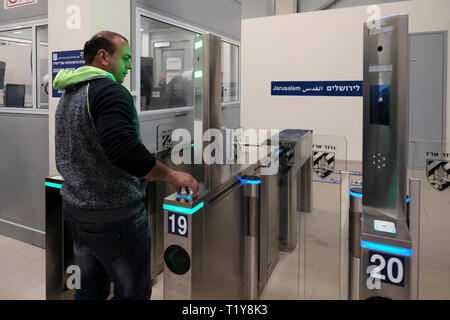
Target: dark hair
{"type": "Point", "coordinates": [102, 40]}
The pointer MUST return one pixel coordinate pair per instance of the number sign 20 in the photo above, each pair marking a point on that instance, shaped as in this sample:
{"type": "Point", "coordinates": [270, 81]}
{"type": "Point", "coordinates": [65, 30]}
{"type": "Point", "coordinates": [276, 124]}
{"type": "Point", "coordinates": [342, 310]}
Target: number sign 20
{"type": "Point", "coordinates": [385, 268]}
{"type": "Point", "coordinates": [178, 224]}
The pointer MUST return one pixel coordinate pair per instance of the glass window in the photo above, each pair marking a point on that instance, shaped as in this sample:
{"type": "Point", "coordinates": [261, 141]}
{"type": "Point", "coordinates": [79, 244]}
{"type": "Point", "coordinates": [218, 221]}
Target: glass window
{"type": "Point", "coordinates": [16, 89]}
{"type": "Point", "coordinates": [230, 72]}
{"type": "Point", "coordinates": [166, 65]}
{"type": "Point", "coordinates": [43, 85]}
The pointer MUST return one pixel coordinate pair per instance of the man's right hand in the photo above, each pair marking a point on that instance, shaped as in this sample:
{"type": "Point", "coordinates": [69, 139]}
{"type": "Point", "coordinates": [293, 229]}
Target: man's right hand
{"type": "Point", "coordinates": [184, 180]}
{"type": "Point", "coordinates": [177, 179]}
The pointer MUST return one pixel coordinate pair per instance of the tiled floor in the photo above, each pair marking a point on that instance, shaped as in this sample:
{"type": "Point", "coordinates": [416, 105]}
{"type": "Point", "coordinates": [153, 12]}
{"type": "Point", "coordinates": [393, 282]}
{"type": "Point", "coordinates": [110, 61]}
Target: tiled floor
{"type": "Point", "coordinates": [22, 271]}
{"type": "Point", "coordinates": [22, 267]}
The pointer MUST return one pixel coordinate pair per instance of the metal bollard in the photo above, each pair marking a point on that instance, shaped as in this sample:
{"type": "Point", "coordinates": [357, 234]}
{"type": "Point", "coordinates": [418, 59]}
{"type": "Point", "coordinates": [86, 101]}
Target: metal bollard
{"type": "Point", "coordinates": [355, 216]}
{"type": "Point", "coordinates": [252, 193]}
{"type": "Point", "coordinates": [344, 237]}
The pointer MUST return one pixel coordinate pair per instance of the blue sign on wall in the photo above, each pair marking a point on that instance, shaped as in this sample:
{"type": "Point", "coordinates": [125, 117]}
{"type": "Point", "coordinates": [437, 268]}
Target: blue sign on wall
{"type": "Point", "coordinates": [65, 60]}
{"type": "Point", "coordinates": [317, 88]}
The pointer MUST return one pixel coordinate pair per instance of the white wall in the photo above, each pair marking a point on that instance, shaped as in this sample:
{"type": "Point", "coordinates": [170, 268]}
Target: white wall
{"type": "Point", "coordinates": [318, 46]}
{"type": "Point", "coordinates": [98, 15]}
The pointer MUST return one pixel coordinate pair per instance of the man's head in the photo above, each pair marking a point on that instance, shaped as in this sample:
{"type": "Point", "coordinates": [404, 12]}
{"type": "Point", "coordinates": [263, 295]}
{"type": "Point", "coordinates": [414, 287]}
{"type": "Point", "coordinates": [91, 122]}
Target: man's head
{"type": "Point", "coordinates": [109, 51]}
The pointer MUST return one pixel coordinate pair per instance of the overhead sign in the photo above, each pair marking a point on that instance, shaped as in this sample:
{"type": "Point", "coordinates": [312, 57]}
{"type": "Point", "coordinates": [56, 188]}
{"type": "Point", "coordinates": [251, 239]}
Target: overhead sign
{"type": "Point", "coordinates": [317, 88]}
{"type": "Point", "coordinates": [65, 60]}
{"type": "Point", "coordinates": [9, 4]}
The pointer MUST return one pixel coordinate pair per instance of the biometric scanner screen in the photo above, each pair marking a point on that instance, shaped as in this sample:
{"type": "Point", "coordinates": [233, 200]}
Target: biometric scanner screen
{"type": "Point", "coordinates": [380, 105]}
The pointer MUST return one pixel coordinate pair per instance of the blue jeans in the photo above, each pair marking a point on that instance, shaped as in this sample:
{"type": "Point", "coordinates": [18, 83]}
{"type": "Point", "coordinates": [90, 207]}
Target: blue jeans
{"type": "Point", "coordinates": [117, 252]}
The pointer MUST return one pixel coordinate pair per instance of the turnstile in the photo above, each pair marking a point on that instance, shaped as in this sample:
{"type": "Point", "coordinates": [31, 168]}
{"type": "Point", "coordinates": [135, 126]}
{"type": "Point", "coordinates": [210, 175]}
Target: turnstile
{"type": "Point", "coordinates": [58, 243]}
{"type": "Point", "coordinates": [389, 225]}
{"type": "Point", "coordinates": [226, 243]}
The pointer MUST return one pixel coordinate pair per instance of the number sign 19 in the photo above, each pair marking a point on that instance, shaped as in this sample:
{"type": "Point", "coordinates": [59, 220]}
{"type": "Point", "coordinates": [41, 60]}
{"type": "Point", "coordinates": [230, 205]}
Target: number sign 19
{"type": "Point", "coordinates": [178, 224]}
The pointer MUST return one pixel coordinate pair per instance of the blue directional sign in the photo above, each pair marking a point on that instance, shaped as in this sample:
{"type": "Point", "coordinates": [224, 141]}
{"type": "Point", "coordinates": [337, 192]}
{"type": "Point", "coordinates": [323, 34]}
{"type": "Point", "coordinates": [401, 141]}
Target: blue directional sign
{"type": "Point", "coordinates": [65, 60]}
{"type": "Point", "coordinates": [317, 88]}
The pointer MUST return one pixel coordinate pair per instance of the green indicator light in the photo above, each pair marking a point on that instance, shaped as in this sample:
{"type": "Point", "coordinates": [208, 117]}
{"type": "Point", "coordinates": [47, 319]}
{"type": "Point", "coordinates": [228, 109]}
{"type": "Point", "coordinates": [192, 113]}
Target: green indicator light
{"type": "Point", "coordinates": [183, 210]}
{"type": "Point", "coordinates": [198, 74]}
{"type": "Point", "coordinates": [53, 185]}
{"type": "Point", "coordinates": [198, 45]}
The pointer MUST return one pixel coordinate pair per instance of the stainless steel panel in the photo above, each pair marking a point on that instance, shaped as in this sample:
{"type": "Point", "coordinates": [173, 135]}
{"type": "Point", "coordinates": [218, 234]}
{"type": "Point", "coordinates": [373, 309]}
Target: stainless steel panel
{"type": "Point", "coordinates": [269, 227]}
{"type": "Point", "coordinates": [305, 185]}
{"type": "Point", "coordinates": [301, 257]}
{"type": "Point", "coordinates": [207, 95]}
{"type": "Point", "coordinates": [288, 214]}
{"type": "Point", "coordinates": [355, 220]}
{"type": "Point", "coordinates": [224, 255]}
{"type": "Point", "coordinates": [385, 144]}
{"type": "Point", "coordinates": [252, 264]}
{"type": "Point", "coordinates": [216, 245]}
{"type": "Point", "coordinates": [252, 193]}
{"type": "Point", "coordinates": [399, 239]}
{"type": "Point", "coordinates": [156, 192]}
{"type": "Point", "coordinates": [24, 166]}
{"type": "Point", "coordinates": [344, 238]}
{"type": "Point", "coordinates": [414, 226]}
{"type": "Point", "coordinates": [355, 265]}
{"type": "Point", "coordinates": [180, 287]}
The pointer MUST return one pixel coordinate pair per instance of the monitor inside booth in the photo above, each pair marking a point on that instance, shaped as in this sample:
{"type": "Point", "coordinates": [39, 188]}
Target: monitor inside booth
{"type": "Point", "coordinates": [14, 96]}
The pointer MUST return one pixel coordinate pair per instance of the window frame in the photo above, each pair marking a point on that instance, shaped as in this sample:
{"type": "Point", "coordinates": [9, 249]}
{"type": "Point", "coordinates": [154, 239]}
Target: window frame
{"type": "Point", "coordinates": [137, 49]}
{"type": "Point", "coordinates": [33, 24]}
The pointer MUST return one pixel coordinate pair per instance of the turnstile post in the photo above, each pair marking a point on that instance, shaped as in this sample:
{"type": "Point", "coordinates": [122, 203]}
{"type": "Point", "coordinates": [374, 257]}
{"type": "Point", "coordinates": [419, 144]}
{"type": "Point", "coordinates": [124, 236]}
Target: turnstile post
{"type": "Point", "coordinates": [252, 244]}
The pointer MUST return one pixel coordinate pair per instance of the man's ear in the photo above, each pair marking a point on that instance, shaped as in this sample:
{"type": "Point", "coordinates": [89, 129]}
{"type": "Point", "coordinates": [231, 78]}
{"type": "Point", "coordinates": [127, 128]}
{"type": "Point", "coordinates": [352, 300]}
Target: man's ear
{"type": "Point", "coordinates": [103, 57]}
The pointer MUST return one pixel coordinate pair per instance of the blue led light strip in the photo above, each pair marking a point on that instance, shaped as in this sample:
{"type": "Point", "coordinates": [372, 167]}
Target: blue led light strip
{"type": "Point", "coordinates": [247, 181]}
{"type": "Point", "coordinates": [183, 210]}
{"type": "Point", "coordinates": [387, 248]}
{"type": "Point", "coordinates": [53, 185]}
{"type": "Point", "coordinates": [179, 196]}
{"type": "Point", "coordinates": [356, 194]}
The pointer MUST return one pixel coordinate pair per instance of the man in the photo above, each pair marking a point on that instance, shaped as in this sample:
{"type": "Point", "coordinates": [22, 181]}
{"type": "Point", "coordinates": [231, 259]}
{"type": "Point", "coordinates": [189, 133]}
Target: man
{"type": "Point", "coordinates": [100, 155]}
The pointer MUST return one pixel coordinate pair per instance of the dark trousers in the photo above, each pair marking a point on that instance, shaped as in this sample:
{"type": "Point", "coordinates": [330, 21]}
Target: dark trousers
{"type": "Point", "coordinates": [117, 252]}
